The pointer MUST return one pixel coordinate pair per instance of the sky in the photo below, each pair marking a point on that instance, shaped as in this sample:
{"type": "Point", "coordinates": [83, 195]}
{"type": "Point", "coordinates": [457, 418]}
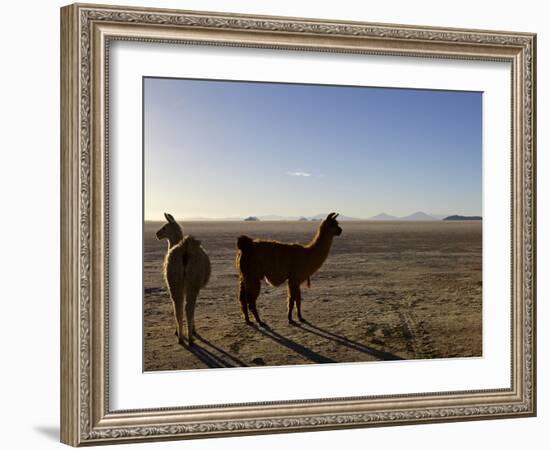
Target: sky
{"type": "Point", "coordinates": [221, 149]}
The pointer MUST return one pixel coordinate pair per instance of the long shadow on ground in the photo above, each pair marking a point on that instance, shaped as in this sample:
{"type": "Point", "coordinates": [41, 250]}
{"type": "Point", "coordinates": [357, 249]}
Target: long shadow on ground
{"type": "Point", "coordinates": [215, 357]}
{"type": "Point", "coordinates": [210, 358]}
{"type": "Point", "coordinates": [342, 340]}
{"type": "Point", "coordinates": [225, 353]}
{"type": "Point", "coordinates": [207, 357]}
{"type": "Point", "coordinates": [293, 345]}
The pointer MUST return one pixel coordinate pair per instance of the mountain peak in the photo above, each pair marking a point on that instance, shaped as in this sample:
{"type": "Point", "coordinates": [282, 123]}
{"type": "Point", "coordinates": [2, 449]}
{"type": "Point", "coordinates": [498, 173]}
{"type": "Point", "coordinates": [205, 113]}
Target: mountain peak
{"type": "Point", "coordinates": [457, 217]}
{"type": "Point", "coordinates": [419, 215]}
{"type": "Point", "coordinates": [382, 216]}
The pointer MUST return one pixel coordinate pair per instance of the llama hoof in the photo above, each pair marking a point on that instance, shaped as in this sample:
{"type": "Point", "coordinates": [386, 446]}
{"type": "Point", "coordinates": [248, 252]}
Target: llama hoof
{"type": "Point", "coordinates": [248, 322]}
{"type": "Point", "coordinates": [301, 319]}
{"type": "Point", "coordinates": [291, 322]}
{"type": "Point", "coordinates": [181, 341]}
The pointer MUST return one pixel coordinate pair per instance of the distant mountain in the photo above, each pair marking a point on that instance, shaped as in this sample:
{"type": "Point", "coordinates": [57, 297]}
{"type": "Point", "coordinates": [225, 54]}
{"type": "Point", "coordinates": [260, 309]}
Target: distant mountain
{"type": "Point", "coordinates": [457, 217]}
{"type": "Point", "coordinates": [274, 217]}
{"type": "Point", "coordinates": [383, 216]}
{"type": "Point", "coordinates": [418, 216]}
{"type": "Point", "coordinates": [340, 217]}
{"type": "Point", "coordinates": [267, 218]}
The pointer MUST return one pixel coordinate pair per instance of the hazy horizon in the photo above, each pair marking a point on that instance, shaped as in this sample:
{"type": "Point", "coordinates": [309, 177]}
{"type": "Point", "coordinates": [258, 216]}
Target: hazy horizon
{"type": "Point", "coordinates": [217, 149]}
{"type": "Point", "coordinates": [276, 218]}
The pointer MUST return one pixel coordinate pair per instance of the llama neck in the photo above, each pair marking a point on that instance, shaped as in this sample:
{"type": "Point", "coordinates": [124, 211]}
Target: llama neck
{"type": "Point", "coordinates": [320, 248]}
{"type": "Point", "coordinates": [176, 237]}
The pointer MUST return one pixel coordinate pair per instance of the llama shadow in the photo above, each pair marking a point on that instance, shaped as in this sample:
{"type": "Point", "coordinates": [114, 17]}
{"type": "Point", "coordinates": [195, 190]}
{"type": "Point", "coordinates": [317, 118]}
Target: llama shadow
{"type": "Point", "coordinates": [293, 345]}
{"type": "Point", "coordinates": [212, 360]}
{"type": "Point", "coordinates": [225, 353]}
{"type": "Point", "coordinates": [346, 342]}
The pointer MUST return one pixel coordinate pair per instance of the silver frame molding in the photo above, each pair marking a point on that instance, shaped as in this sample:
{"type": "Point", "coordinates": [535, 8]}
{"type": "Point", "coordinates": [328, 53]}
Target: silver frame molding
{"type": "Point", "coordinates": [86, 32]}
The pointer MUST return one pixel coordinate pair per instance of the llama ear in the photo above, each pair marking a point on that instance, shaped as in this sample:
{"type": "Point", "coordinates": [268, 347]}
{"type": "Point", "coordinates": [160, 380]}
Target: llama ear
{"type": "Point", "coordinates": [336, 215]}
{"type": "Point", "coordinates": [169, 218]}
{"type": "Point", "coordinates": [331, 216]}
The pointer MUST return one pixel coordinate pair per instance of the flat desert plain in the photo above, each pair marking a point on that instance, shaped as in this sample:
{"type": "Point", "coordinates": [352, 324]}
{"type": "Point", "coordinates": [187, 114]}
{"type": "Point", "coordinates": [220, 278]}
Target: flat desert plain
{"type": "Point", "coordinates": [388, 290]}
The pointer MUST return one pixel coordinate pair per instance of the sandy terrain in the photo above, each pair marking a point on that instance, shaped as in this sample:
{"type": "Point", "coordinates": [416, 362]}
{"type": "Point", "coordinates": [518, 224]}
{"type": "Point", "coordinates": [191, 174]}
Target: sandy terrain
{"type": "Point", "coordinates": [388, 290]}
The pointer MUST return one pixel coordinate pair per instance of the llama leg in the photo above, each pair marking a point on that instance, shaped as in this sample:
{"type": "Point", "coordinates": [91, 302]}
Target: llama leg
{"type": "Point", "coordinates": [252, 293]}
{"type": "Point", "coordinates": [298, 299]}
{"type": "Point", "coordinates": [176, 294]}
{"type": "Point", "coordinates": [190, 301]}
{"type": "Point", "coordinates": [291, 300]}
{"type": "Point", "coordinates": [179, 318]}
{"type": "Point", "coordinates": [176, 333]}
{"type": "Point", "coordinates": [242, 301]}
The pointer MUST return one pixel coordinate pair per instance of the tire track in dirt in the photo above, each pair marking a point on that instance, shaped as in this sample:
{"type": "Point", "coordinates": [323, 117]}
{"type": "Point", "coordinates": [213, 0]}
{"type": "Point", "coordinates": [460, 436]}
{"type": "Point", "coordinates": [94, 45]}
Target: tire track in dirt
{"type": "Point", "coordinates": [418, 340]}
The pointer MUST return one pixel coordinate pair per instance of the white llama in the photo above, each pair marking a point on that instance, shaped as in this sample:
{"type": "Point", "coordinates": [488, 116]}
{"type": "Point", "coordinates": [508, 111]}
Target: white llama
{"type": "Point", "coordinates": [186, 272]}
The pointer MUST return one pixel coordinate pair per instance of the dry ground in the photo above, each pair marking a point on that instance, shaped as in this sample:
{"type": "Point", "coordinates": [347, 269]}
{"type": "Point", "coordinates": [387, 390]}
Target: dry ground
{"type": "Point", "coordinates": [388, 290]}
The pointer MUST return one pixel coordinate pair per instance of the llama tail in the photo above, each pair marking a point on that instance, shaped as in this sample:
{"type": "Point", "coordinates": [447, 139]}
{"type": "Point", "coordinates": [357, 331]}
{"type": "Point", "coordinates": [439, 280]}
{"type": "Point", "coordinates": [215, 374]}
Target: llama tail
{"type": "Point", "coordinates": [244, 243]}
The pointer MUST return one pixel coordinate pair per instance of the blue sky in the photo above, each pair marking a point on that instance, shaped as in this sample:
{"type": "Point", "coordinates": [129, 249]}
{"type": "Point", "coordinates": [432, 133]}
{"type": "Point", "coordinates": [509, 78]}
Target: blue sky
{"type": "Point", "coordinates": [230, 149]}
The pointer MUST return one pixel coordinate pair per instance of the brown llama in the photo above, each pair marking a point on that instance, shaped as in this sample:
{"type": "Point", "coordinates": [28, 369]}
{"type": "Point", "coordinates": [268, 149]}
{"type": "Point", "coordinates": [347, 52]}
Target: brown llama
{"type": "Point", "coordinates": [278, 262]}
{"type": "Point", "coordinates": [186, 272]}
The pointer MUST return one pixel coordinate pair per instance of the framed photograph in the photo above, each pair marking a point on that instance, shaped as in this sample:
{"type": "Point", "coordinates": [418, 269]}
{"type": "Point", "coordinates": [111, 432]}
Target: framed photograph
{"type": "Point", "coordinates": [274, 224]}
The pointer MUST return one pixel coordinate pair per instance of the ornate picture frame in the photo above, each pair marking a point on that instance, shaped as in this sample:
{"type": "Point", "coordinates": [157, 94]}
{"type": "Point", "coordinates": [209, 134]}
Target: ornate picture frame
{"type": "Point", "coordinates": [87, 32]}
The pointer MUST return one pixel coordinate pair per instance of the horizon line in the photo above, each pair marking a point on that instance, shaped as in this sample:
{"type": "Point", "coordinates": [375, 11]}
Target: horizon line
{"type": "Point", "coordinates": [279, 218]}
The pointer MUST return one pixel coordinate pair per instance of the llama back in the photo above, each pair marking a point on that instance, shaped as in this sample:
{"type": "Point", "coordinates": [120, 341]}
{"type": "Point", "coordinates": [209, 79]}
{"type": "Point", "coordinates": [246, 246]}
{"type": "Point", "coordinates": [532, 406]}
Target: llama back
{"type": "Point", "coordinates": [198, 266]}
{"type": "Point", "coordinates": [265, 259]}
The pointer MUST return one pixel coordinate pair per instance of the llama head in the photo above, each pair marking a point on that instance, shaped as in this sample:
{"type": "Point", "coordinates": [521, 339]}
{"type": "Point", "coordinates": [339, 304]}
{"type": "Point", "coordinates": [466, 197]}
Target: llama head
{"type": "Point", "coordinates": [330, 225]}
{"type": "Point", "coordinates": [171, 231]}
